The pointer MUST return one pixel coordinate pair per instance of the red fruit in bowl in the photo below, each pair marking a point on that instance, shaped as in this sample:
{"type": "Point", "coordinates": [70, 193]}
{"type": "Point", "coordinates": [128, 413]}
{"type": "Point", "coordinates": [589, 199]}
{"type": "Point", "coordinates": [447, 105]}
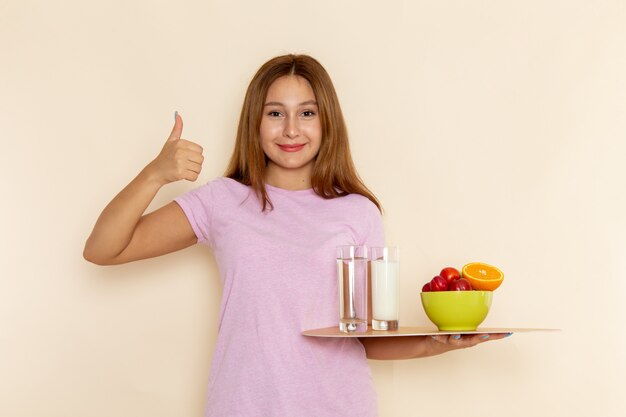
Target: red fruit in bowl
{"type": "Point", "coordinates": [426, 287]}
{"type": "Point", "coordinates": [460, 285]}
{"type": "Point", "coordinates": [438, 283]}
{"type": "Point", "coordinates": [450, 274]}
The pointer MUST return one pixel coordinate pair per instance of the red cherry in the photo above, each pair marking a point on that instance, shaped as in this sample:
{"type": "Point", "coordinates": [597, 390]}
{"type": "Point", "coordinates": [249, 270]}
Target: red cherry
{"type": "Point", "coordinates": [426, 287]}
{"type": "Point", "coordinates": [460, 285]}
{"type": "Point", "coordinates": [438, 283]}
{"type": "Point", "coordinates": [450, 274]}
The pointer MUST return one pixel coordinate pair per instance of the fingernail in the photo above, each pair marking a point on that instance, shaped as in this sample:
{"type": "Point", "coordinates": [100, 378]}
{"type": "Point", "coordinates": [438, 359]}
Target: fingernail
{"type": "Point", "coordinates": [484, 337]}
{"type": "Point", "coordinates": [175, 114]}
{"type": "Point", "coordinates": [456, 336]}
{"type": "Point", "coordinates": [508, 334]}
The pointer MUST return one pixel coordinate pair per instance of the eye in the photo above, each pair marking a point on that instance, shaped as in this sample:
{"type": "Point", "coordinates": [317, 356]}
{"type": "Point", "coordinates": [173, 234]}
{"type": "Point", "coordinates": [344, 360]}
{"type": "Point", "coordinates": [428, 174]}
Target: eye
{"type": "Point", "coordinates": [308, 113]}
{"type": "Point", "coordinates": [274, 113]}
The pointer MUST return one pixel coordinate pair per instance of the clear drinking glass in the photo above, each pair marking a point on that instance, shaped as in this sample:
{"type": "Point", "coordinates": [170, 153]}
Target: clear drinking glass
{"type": "Point", "coordinates": [352, 267]}
{"type": "Point", "coordinates": [385, 265]}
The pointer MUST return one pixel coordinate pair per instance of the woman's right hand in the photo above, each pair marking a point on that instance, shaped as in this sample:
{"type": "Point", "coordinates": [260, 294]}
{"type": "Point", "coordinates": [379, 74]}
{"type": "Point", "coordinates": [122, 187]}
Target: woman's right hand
{"type": "Point", "coordinates": [179, 159]}
{"type": "Point", "coordinates": [123, 233]}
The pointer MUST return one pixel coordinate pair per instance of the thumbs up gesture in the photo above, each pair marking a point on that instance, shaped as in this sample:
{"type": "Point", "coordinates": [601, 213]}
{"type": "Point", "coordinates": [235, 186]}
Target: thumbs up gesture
{"type": "Point", "coordinates": [179, 159]}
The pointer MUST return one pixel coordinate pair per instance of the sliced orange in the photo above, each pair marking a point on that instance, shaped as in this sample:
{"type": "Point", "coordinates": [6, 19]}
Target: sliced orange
{"type": "Point", "coordinates": [482, 276]}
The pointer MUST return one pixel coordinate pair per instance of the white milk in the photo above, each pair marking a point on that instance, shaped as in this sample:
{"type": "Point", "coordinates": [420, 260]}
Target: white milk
{"type": "Point", "coordinates": [385, 290]}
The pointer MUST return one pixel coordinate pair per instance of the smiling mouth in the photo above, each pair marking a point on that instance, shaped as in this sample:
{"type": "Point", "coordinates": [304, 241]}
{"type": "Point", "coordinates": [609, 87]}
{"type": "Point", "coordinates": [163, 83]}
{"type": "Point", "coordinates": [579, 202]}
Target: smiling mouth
{"type": "Point", "coordinates": [292, 148]}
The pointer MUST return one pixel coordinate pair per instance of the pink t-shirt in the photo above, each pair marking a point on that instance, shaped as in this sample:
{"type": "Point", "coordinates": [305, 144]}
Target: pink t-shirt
{"type": "Point", "coordinates": [278, 271]}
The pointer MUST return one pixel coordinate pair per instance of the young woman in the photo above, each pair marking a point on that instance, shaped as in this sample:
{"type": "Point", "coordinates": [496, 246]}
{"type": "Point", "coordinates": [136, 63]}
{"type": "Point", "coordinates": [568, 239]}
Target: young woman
{"type": "Point", "coordinates": [290, 196]}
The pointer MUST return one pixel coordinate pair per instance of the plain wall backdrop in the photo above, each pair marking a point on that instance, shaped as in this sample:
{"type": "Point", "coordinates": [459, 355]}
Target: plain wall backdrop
{"type": "Point", "coordinates": [491, 131]}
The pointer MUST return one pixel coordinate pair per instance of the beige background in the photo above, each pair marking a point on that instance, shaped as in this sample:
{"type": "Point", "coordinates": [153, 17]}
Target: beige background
{"type": "Point", "coordinates": [490, 130]}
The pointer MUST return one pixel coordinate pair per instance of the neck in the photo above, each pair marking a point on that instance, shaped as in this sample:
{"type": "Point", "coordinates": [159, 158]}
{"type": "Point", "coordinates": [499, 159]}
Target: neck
{"type": "Point", "coordinates": [288, 179]}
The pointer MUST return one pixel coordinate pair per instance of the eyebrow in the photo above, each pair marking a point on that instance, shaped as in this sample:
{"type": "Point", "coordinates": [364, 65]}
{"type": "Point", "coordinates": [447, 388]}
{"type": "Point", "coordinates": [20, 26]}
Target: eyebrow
{"type": "Point", "coordinates": [278, 103]}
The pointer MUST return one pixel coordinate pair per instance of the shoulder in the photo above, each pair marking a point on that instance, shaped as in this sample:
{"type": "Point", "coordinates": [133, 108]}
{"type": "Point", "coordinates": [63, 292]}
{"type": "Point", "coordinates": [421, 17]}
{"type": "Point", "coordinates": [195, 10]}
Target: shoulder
{"type": "Point", "coordinates": [360, 202]}
{"type": "Point", "coordinates": [365, 219]}
{"type": "Point", "coordinates": [359, 210]}
{"type": "Point", "coordinates": [225, 183]}
{"type": "Point", "coordinates": [222, 185]}
{"type": "Point", "coordinates": [217, 191]}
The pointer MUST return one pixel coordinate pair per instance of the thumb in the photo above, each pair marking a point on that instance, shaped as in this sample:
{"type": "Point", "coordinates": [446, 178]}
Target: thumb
{"type": "Point", "coordinates": [177, 131]}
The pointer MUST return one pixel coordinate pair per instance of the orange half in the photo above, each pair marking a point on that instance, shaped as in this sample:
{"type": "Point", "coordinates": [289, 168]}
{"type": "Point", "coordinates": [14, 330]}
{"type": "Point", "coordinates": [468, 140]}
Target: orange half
{"type": "Point", "coordinates": [482, 276]}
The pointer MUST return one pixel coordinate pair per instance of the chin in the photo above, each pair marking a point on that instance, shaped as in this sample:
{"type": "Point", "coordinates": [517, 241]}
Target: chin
{"type": "Point", "coordinates": [292, 164]}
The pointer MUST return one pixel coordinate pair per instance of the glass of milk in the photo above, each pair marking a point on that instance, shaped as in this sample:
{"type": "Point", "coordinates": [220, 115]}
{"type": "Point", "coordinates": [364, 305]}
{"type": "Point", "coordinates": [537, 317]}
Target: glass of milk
{"type": "Point", "coordinates": [385, 268]}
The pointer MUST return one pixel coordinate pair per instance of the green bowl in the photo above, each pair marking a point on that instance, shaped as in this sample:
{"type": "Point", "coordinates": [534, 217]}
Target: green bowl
{"type": "Point", "coordinates": [456, 310]}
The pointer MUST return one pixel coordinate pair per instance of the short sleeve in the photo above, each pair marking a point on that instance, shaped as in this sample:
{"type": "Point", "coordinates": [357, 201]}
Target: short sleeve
{"type": "Point", "coordinates": [197, 205]}
{"type": "Point", "coordinates": [374, 229]}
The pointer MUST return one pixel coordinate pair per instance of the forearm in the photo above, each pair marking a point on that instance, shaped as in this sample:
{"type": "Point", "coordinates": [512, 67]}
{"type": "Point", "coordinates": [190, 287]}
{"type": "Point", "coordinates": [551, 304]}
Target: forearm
{"type": "Point", "coordinates": [117, 222]}
{"type": "Point", "coordinates": [406, 347]}
{"type": "Point", "coordinates": [409, 347]}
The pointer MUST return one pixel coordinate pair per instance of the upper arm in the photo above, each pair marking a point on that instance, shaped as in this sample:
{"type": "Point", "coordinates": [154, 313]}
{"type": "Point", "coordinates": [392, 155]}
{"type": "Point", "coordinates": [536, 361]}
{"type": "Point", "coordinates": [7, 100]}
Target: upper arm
{"type": "Point", "coordinates": [163, 231]}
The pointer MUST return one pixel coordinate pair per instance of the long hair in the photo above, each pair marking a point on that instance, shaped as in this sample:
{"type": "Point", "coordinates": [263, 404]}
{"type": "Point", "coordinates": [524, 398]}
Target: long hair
{"type": "Point", "coordinates": [334, 174]}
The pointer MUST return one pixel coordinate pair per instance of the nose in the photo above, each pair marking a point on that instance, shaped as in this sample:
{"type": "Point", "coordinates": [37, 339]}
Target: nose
{"type": "Point", "coordinates": [292, 129]}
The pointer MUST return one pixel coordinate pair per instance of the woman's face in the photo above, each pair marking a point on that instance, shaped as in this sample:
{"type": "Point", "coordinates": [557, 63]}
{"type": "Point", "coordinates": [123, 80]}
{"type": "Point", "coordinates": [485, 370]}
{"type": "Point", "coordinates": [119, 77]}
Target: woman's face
{"type": "Point", "coordinates": [291, 132]}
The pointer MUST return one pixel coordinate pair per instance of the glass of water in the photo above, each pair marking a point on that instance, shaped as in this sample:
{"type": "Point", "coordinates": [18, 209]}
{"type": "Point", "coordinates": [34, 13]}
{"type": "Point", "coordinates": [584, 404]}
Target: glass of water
{"type": "Point", "coordinates": [352, 272]}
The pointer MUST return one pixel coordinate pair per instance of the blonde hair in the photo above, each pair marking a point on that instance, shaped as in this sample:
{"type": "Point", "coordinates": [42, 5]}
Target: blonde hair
{"type": "Point", "coordinates": [334, 174]}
